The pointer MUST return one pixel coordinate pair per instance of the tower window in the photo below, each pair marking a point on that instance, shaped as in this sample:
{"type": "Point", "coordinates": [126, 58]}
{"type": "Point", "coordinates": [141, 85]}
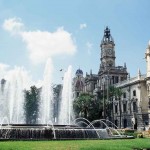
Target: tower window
{"type": "Point", "coordinates": [110, 65]}
{"type": "Point", "coordinates": [134, 93]}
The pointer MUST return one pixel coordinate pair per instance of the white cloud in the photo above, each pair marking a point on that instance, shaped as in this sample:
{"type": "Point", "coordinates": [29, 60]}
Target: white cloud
{"type": "Point", "coordinates": [13, 25]}
{"type": "Point", "coordinates": [89, 47]}
{"type": "Point", "coordinates": [83, 25]}
{"type": "Point", "coordinates": [42, 45]}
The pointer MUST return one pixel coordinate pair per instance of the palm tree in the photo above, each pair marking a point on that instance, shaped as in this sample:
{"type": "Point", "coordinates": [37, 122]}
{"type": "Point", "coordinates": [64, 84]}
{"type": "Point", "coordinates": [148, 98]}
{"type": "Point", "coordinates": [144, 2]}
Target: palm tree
{"type": "Point", "coordinates": [82, 103]}
{"type": "Point", "coordinates": [86, 106]}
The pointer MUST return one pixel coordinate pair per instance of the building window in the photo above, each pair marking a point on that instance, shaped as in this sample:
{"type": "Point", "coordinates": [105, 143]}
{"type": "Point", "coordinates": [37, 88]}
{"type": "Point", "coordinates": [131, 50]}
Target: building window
{"type": "Point", "coordinates": [116, 122]}
{"type": "Point", "coordinates": [125, 123]}
{"type": "Point", "coordinates": [134, 107]}
{"type": "Point", "coordinates": [113, 80]}
{"type": "Point", "coordinates": [77, 94]}
{"type": "Point", "coordinates": [134, 93]}
{"type": "Point", "coordinates": [122, 78]}
{"type": "Point", "coordinates": [124, 95]}
{"type": "Point", "coordinates": [116, 108]}
{"type": "Point", "coordinates": [124, 107]}
{"type": "Point", "coordinates": [116, 78]}
{"type": "Point", "coordinates": [149, 104]}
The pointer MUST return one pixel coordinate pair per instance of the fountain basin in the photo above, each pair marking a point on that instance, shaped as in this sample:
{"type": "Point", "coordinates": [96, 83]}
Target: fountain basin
{"type": "Point", "coordinates": [52, 132]}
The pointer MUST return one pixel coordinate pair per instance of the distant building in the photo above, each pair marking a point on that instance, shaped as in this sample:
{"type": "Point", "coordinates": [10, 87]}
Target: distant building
{"type": "Point", "coordinates": [78, 83]}
{"type": "Point", "coordinates": [135, 99]}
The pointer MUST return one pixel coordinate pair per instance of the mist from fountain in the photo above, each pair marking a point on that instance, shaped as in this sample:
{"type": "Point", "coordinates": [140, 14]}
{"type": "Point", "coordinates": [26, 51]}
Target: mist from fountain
{"type": "Point", "coordinates": [46, 105]}
{"type": "Point", "coordinates": [12, 96]}
{"type": "Point", "coordinates": [66, 115]}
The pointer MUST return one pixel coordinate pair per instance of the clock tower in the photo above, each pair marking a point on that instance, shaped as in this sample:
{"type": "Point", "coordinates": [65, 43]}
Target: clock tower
{"type": "Point", "coordinates": [107, 51]}
{"type": "Point", "coordinates": [108, 67]}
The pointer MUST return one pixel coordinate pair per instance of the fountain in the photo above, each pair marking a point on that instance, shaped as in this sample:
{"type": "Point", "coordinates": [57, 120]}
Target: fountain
{"type": "Point", "coordinates": [12, 97]}
{"type": "Point", "coordinates": [12, 120]}
{"type": "Point", "coordinates": [59, 132]}
{"type": "Point", "coordinates": [66, 107]}
{"type": "Point", "coordinates": [46, 103]}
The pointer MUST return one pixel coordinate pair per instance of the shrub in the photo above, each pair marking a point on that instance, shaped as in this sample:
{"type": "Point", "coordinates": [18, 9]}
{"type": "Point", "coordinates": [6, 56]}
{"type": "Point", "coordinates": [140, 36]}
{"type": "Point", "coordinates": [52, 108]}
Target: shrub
{"type": "Point", "coordinates": [135, 134]}
{"type": "Point", "coordinates": [140, 135]}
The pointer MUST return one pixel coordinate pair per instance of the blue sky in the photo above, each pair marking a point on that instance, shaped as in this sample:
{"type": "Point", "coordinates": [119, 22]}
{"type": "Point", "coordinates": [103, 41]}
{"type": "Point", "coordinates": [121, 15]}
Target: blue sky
{"type": "Point", "coordinates": [75, 29]}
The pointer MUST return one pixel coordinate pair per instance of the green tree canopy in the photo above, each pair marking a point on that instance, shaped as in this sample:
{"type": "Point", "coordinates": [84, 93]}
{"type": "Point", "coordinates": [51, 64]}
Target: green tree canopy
{"type": "Point", "coordinates": [86, 106]}
{"type": "Point", "coordinates": [31, 104]}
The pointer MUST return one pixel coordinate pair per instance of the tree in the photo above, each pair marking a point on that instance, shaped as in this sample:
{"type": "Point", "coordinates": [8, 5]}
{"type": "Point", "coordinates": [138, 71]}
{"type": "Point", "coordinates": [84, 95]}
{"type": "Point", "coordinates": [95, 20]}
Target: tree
{"type": "Point", "coordinates": [31, 105]}
{"type": "Point", "coordinates": [86, 106]}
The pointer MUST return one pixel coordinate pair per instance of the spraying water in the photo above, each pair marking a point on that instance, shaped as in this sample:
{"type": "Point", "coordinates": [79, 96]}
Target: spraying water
{"type": "Point", "coordinates": [12, 96]}
{"type": "Point", "coordinates": [46, 104]}
{"type": "Point", "coordinates": [66, 107]}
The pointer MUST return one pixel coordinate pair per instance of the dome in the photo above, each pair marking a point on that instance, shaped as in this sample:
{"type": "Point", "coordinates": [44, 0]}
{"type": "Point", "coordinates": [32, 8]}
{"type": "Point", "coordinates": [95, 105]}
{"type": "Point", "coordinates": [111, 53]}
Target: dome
{"type": "Point", "coordinates": [79, 72]}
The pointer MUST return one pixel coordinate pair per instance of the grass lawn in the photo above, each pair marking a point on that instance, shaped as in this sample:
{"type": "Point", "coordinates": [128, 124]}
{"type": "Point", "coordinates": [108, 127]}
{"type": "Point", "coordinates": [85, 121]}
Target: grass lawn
{"type": "Point", "coordinates": [76, 145]}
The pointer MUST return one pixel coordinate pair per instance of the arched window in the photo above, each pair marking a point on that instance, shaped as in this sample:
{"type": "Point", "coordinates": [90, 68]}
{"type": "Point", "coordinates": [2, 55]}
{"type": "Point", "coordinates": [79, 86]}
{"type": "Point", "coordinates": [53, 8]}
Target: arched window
{"type": "Point", "coordinates": [134, 93]}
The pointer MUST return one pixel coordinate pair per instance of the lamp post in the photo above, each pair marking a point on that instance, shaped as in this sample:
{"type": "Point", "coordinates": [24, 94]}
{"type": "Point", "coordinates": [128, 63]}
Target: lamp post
{"type": "Point", "coordinates": [104, 111]}
{"type": "Point", "coordinates": [104, 102]}
{"type": "Point", "coordinates": [108, 84]}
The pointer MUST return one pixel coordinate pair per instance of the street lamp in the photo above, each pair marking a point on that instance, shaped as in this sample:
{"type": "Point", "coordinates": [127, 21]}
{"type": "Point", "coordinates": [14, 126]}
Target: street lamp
{"type": "Point", "coordinates": [104, 103]}
{"type": "Point", "coordinates": [104, 113]}
{"type": "Point", "coordinates": [108, 84]}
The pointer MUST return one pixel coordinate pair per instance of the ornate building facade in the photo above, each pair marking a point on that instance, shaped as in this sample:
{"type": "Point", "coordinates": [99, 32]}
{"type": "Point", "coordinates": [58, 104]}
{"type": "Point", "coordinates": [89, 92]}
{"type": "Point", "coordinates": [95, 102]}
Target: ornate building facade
{"type": "Point", "coordinates": [132, 110]}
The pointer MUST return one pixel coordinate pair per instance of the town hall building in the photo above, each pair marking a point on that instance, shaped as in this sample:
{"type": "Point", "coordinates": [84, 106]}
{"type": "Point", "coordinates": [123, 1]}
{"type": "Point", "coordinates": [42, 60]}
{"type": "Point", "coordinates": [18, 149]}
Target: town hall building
{"type": "Point", "coordinates": [132, 109]}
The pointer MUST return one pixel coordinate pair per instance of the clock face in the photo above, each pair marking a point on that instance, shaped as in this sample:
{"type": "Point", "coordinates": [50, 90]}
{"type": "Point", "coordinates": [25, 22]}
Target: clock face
{"type": "Point", "coordinates": [109, 51]}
